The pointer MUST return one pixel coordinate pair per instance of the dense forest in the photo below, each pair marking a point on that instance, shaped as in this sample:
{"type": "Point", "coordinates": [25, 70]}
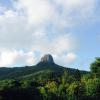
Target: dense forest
{"type": "Point", "coordinates": [50, 85]}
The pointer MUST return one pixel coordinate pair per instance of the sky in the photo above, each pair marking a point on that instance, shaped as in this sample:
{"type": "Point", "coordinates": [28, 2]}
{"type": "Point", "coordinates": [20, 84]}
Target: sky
{"type": "Point", "coordinates": [66, 29]}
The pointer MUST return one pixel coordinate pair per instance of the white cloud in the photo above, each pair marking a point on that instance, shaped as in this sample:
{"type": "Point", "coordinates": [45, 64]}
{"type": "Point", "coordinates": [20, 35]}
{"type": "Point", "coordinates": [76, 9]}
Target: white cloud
{"type": "Point", "coordinates": [74, 12]}
{"type": "Point", "coordinates": [58, 45]}
{"type": "Point", "coordinates": [81, 7]}
{"type": "Point", "coordinates": [65, 59]}
{"type": "Point", "coordinates": [25, 58]}
{"type": "Point", "coordinates": [14, 58]}
{"type": "Point", "coordinates": [40, 26]}
{"type": "Point", "coordinates": [37, 11]}
{"type": "Point", "coordinates": [14, 31]}
{"type": "Point", "coordinates": [7, 58]}
{"type": "Point", "coordinates": [71, 57]}
{"type": "Point", "coordinates": [59, 12]}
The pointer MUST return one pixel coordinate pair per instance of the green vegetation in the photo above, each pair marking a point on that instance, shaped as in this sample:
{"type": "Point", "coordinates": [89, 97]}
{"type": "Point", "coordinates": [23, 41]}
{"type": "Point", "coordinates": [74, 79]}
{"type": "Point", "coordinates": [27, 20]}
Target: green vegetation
{"type": "Point", "coordinates": [46, 82]}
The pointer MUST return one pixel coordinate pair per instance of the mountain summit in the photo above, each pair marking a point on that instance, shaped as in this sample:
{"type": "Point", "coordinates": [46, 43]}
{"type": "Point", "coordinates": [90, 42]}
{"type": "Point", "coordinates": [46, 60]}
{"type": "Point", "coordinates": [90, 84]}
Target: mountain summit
{"type": "Point", "coordinates": [47, 59]}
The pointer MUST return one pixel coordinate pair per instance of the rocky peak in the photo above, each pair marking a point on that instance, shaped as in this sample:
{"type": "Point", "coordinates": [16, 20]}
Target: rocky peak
{"type": "Point", "coordinates": [47, 59]}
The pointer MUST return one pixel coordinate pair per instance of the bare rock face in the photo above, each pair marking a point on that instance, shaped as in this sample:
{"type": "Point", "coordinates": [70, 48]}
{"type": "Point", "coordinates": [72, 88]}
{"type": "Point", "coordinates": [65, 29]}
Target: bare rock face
{"type": "Point", "coordinates": [47, 59]}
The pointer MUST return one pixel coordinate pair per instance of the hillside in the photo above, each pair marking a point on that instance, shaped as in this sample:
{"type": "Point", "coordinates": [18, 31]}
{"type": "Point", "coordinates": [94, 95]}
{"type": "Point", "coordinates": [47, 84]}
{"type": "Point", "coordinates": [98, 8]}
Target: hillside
{"type": "Point", "coordinates": [45, 67]}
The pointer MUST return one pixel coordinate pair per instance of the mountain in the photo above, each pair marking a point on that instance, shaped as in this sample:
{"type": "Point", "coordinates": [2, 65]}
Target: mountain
{"type": "Point", "coordinates": [45, 68]}
{"type": "Point", "coordinates": [47, 59]}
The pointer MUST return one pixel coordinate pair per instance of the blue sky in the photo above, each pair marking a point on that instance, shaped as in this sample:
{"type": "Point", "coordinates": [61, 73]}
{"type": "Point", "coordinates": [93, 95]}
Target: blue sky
{"type": "Point", "coordinates": [67, 29]}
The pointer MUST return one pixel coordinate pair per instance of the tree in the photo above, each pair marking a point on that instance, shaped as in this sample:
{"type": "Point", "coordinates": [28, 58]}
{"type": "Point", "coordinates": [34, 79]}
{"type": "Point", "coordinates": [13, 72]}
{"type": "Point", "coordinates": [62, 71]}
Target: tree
{"type": "Point", "coordinates": [95, 67]}
{"type": "Point", "coordinates": [93, 88]}
{"type": "Point", "coordinates": [44, 93]}
{"type": "Point", "coordinates": [65, 77]}
{"type": "Point", "coordinates": [75, 91]}
{"type": "Point", "coordinates": [77, 75]}
{"type": "Point", "coordinates": [52, 87]}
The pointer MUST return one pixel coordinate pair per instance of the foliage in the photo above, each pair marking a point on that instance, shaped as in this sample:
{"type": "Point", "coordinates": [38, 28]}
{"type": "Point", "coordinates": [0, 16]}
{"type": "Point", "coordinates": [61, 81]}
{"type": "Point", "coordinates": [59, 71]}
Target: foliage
{"type": "Point", "coordinates": [95, 67]}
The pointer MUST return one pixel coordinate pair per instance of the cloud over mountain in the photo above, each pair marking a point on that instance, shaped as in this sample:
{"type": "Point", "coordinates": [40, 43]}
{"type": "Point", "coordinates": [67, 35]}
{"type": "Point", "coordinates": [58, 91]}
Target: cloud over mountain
{"type": "Point", "coordinates": [39, 27]}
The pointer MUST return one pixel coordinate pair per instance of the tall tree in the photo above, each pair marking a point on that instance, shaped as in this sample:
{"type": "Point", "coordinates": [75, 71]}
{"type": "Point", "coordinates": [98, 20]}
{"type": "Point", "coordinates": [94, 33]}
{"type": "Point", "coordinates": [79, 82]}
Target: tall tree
{"type": "Point", "coordinates": [95, 67]}
{"type": "Point", "coordinates": [77, 75]}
